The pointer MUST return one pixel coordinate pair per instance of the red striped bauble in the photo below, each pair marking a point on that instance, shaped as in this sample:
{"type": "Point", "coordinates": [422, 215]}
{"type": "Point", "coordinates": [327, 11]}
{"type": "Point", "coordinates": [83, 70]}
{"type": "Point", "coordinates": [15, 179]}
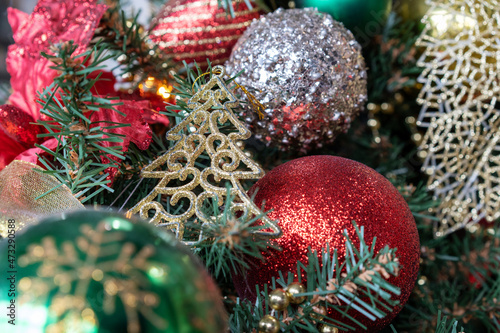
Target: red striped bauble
{"type": "Point", "coordinates": [194, 30]}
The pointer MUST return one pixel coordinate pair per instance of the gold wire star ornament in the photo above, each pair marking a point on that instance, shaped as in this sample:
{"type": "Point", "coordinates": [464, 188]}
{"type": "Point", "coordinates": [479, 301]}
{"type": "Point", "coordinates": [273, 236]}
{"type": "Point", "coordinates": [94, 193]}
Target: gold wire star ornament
{"type": "Point", "coordinates": [461, 82]}
{"type": "Point", "coordinates": [463, 164]}
{"type": "Point", "coordinates": [184, 183]}
{"type": "Point", "coordinates": [461, 60]}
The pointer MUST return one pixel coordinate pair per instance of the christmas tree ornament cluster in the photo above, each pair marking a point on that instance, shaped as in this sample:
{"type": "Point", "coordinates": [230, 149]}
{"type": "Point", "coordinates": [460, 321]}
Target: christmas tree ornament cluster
{"type": "Point", "coordinates": [315, 199]}
{"type": "Point", "coordinates": [194, 30]}
{"type": "Point", "coordinates": [93, 271]}
{"type": "Point", "coordinates": [308, 72]}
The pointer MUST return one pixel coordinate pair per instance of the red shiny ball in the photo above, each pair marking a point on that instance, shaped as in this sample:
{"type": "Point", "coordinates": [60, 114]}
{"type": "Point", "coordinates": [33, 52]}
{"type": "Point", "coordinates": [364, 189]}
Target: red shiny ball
{"type": "Point", "coordinates": [194, 30]}
{"type": "Point", "coordinates": [315, 198]}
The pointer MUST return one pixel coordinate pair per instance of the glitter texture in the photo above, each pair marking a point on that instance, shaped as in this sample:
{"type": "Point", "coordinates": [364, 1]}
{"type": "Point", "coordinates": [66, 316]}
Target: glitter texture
{"type": "Point", "coordinates": [17, 133]}
{"type": "Point", "coordinates": [461, 62]}
{"type": "Point", "coordinates": [315, 198]}
{"type": "Point", "coordinates": [194, 30]}
{"type": "Point", "coordinates": [95, 271]}
{"type": "Point", "coordinates": [196, 133]}
{"type": "Point", "coordinates": [307, 70]}
{"type": "Point", "coordinates": [462, 162]}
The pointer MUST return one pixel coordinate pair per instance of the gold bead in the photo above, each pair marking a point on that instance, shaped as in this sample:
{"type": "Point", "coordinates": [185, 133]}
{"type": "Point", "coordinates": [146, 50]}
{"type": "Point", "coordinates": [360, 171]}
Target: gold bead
{"type": "Point", "coordinates": [279, 299]}
{"type": "Point", "coordinates": [416, 137]}
{"type": "Point", "coordinates": [318, 312]}
{"type": "Point", "coordinates": [411, 120]}
{"type": "Point", "coordinates": [296, 288]}
{"type": "Point", "coordinates": [399, 98]}
{"type": "Point", "coordinates": [373, 108]}
{"type": "Point", "coordinates": [269, 324]}
{"type": "Point", "coordinates": [387, 108]}
{"type": "Point", "coordinates": [328, 329]}
{"type": "Point", "coordinates": [374, 123]}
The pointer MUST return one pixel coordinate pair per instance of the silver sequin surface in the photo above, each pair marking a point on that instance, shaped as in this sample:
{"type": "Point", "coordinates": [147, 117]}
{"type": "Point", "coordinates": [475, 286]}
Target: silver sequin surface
{"type": "Point", "coordinates": [307, 70]}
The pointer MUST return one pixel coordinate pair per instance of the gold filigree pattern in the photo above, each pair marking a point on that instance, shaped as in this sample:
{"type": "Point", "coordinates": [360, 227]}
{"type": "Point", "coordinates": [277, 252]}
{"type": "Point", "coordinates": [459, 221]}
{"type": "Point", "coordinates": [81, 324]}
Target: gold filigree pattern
{"type": "Point", "coordinates": [195, 134]}
{"type": "Point", "coordinates": [463, 166]}
{"type": "Point", "coordinates": [461, 60]}
{"type": "Point", "coordinates": [461, 83]}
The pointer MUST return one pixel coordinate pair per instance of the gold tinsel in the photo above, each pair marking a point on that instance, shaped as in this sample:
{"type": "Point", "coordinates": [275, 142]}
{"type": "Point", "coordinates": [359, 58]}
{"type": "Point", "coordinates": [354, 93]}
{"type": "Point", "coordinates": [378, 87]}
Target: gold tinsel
{"type": "Point", "coordinates": [195, 134]}
{"type": "Point", "coordinates": [461, 83]}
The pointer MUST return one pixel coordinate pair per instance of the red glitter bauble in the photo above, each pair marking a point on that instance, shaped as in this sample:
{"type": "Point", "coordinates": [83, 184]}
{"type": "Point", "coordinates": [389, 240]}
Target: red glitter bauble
{"type": "Point", "coordinates": [315, 198]}
{"type": "Point", "coordinates": [194, 30]}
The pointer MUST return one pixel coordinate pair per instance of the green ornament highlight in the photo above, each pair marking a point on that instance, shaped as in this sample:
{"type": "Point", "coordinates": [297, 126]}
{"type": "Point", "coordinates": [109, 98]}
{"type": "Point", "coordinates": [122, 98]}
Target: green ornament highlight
{"type": "Point", "coordinates": [363, 17]}
{"type": "Point", "coordinates": [411, 10]}
{"type": "Point", "coordinates": [98, 272]}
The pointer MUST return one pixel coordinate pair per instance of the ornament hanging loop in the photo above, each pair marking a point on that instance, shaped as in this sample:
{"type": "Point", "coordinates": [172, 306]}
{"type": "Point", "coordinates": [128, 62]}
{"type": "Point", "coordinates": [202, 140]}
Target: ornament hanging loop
{"type": "Point", "coordinates": [218, 71]}
{"type": "Point", "coordinates": [254, 102]}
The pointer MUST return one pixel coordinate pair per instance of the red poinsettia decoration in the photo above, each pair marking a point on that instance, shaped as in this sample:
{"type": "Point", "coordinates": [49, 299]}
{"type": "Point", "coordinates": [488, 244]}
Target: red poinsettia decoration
{"type": "Point", "coordinates": [138, 132]}
{"type": "Point", "coordinates": [17, 134]}
{"type": "Point", "coordinates": [52, 22]}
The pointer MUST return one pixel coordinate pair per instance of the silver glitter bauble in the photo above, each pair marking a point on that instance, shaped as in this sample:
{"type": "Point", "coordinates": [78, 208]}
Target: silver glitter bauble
{"type": "Point", "coordinates": [308, 72]}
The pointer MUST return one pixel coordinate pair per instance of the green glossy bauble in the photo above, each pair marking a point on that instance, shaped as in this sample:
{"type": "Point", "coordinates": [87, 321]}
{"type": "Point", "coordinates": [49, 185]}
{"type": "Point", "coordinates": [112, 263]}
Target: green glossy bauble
{"type": "Point", "coordinates": [98, 272]}
{"type": "Point", "coordinates": [411, 10]}
{"type": "Point", "coordinates": [362, 17]}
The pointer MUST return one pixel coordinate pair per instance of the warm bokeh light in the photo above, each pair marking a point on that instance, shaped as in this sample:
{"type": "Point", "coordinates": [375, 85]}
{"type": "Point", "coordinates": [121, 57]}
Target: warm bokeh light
{"type": "Point", "coordinates": [445, 22]}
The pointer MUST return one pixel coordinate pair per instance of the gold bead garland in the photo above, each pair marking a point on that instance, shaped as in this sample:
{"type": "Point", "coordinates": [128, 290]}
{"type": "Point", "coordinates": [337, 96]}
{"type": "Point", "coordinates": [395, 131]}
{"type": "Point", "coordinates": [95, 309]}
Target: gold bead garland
{"type": "Point", "coordinates": [279, 299]}
{"type": "Point", "coordinates": [296, 288]}
{"type": "Point", "coordinates": [269, 324]}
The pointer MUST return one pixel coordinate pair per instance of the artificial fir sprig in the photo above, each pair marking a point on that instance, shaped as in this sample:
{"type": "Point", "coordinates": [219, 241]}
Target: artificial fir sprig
{"type": "Point", "coordinates": [231, 240]}
{"type": "Point", "coordinates": [358, 285]}
{"type": "Point", "coordinates": [68, 103]}
{"type": "Point", "coordinates": [129, 44]}
{"type": "Point", "coordinates": [4, 92]}
{"type": "Point", "coordinates": [459, 272]}
{"type": "Point", "coordinates": [442, 325]}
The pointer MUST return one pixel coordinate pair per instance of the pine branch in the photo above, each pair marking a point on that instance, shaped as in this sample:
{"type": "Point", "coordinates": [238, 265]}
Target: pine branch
{"type": "Point", "coordinates": [186, 86]}
{"type": "Point", "coordinates": [442, 325]}
{"type": "Point", "coordinates": [69, 104]}
{"type": "Point", "coordinates": [393, 59]}
{"type": "Point", "coordinates": [230, 241]}
{"type": "Point", "coordinates": [129, 44]}
{"type": "Point", "coordinates": [357, 286]}
{"type": "Point", "coordinates": [459, 275]}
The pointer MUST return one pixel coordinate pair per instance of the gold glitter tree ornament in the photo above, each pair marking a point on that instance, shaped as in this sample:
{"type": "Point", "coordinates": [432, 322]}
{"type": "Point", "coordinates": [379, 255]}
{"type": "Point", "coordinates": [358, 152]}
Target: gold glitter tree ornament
{"type": "Point", "coordinates": [184, 182]}
{"type": "Point", "coordinates": [461, 60]}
